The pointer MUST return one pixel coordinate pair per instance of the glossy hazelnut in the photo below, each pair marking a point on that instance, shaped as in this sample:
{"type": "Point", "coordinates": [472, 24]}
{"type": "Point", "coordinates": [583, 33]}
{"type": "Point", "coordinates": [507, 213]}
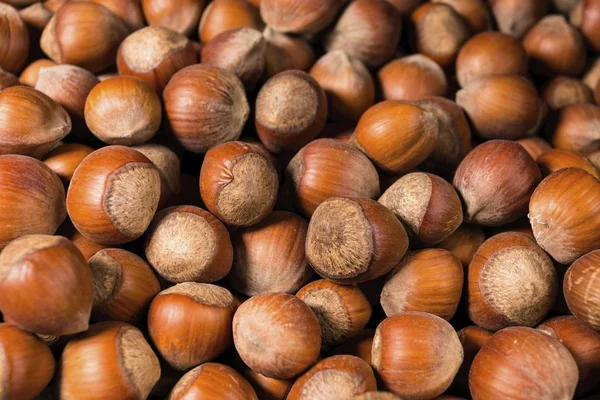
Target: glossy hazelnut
{"type": "Point", "coordinates": [190, 323]}
{"type": "Point", "coordinates": [412, 78]}
{"type": "Point", "coordinates": [376, 396]}
{"type": "Point", "coordinates": [86, 246]}
{"type": "Point", "coordinates": [494, 116]}
{"type": "Point", "coordinates": [27, 364]}
{"type": "Point", "coordinates": [30, 74]}
{"type": "Point", "coordinates": [421, 202]}
{"type": "Point", "coordinates": [181, 16]}
{"type": "Point", "coordinates": [368, 30]}
{"type": "Point", "coordinates": [429, 280]}
{"type": "Point", "coordinates": [15, 42]}
{"type": "Point", "coordinates": [124, 285]}
{"type": "Point", "coordinates": [521, 356]}
{"type": "Point", "coordinates": [46, 285]}
{"type": "Point", "coordinates": [127, 10]}
{"type": "Point", "coordinates": [110, 360]}
{"type": "Point", "coordinates": [584, 345]}
{"type": "Point", "coordinates": [582, 289]}
{"type": "Point", "coordinates": [266, 388]}
{"type": "Point", "coordinates": [340, 376]}
{"type": "Point", "coordinates": [576, 127]}
{"type": "Point", "coordinates": [472, 338]}
{"type": "Point", "coordinates": [586, 16]}
{"type": "Point", "coordinates": [353, 240]}
{"type": "Point", "coordinates": [85, 34]}
{"type": "Point", "coordinates": [65, 158]}
{"type": "Point", "coordinates": [35, 205]}
{"type": "Point", "coordinates": [288, 347]}
{"type": "Point", "coordinates": [406, 337]}
{"type": "Point", "coordinates": [439, 32]}
{"type": "Point", "coordinates": [299, 16]}
{"type": "Point", "coordinates": [557, 159]}
{"type": "Point", "coordinates": [209, 380]}
{"type": "Point", "coordinates": [269, 256]}
{"type": "Point", "coordinates": [291, 110]}
{"type": "Point", "coordinates": [464, 242]}
{"type": "Point", "coordinates": [475, 13]}
{"type": "Point", "coordinates": [285, 52]}
{"type": "Point", "coordinates": [555, 47]}
{"type": "Point", "coordinates": [7, 79]}
{"type": "Point", "coordinates": [31, 123]}
{"type": "Point", "coordinates": [490, 54]}
{"type": "Point", "coordinates": [563, 91]}
{"type": "Point", "coordinates": [186, 243]}
{"type": "Point", "coordinates": [563, 212]}
{"type": "Point", "coordinates": [113, 195]}
{"type": "Point", "coordinates": [223, 15]}
{"type": "Point", "coordinates": [534, 146]}
{"type": "Point", "coordinates": [348, 84]}
{"type": "Point", "coordinates": [515, 17]}
{"type": "Point", "coordinates": [205, 106]}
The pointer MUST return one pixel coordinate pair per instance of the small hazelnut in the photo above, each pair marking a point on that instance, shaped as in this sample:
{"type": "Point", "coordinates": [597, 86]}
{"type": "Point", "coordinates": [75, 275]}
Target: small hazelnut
{"type": "Point", "coordinates": [113, 352]}
{"type": "Point", "coordinates": [335, 377]}
{"type": "Point", "coordinates": [14, 47]}
{"type": "Point", "coordinates": [291, 110]}
{"type": "Point", "coordinates": [285, 52]}
{"type": "Point", "coordinates": [85, 245]}
{"type": "Point", "coordinates": [472, 338]}
{"type": "Point", "coordinates": [127, 10]}
{"type": "Point", "coordinates": [576, 127]}
{"type": "Point", "coordinates": [402, 339]}
{"type": "Point", "coordinates": [490, 54]}
{"type": "Point", "coordinates": [586, 16]}
{"type": "Point", "coordinates": [299, 16]}
{"type": "Point", "coordinates": [7, 79]}
{"type": "Point", "coordinates": [65, 158]}
{"type": "Point", "coordinates": [557, 159]}
{"type": "Point", "coordinates": [464, 242]}
{"type": "Point", "coordinates": [412, 78]}
{"type": "Point", "coordinates": [210, 380]}
{"type": "Point", "coordinates": [36, 16]}
{"type": "Point", "coordinates": [515, 17]}
{"type": "Point", "coordinates": [397, 135]}
{"type": "Point", "coordinates": [223, 15]}
{"type": "Point", "coordinates": [46, 286]}
{"type": "Point", "coordinates": [563, 91]}
{"type": "Point", "coordinates": [564, 212]}
{"type": "Point", "coordinates": [475, 13]}
{"type": "Point", "coordinates": [30, 74]}
{"type": "Point", "coordinates": [113, 195]}
{"type": "Point", "coordinates": [291, 343]}
{"type": "Point", "coordinates": [169, 167]}
{"type": "Point", "coordinates": [359, 346]}
{"type": "Point", "coordinates": [181, 16]}
{"type": "Point", "coordinates": [523, 363]}
{"type": "Point", "coordinates": [368, 30]}
{"type": "Point", "coordinates": [582, 289]}
{"type": "Point", "coordinates": [354, 240]}
{"type": "Point", "coordinates": [496, 116]}
{"type": "Point", "coordinates": [205, 106]}
{"type": "Point", "coordinates": [190, 323]}
{"type": "Point", "coordinates": [534, 146]}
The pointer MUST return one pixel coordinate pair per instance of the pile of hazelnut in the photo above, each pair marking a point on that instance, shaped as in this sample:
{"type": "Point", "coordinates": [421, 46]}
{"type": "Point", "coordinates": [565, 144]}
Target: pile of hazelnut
{"type": "Point", "coordinates": [299, 199]}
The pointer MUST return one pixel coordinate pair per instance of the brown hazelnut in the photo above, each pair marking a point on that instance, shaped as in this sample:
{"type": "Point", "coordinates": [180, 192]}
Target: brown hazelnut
{"type": "Point", "coordinates": [353, 240]}
{"type": "Point", "coordinates": [557, 159]}
{"type": "Point", "coordinates": [534, 146]}
{"type": "Point", "coordinates": [299, 16]}
{"type": "Point", "coordinates": [473, 338]}
{"type": "Point", "coordinates": [582, 289]}
{"type": "Point", "coordinates": [291, 110]}
{"type": "Point", "coordinates": [563, 91]}
{"type": "Point", "coordinates": [205, 106]}
{"type": "Point", "coordinates": [555, 47]}
{"type": "Point", "coordinates": [490, 54]}
{"type": "Point", "coordinates": [109, 352]}
{"type": "Point", "coordinates": [15, 41]}
{"type": "Point", "coordinates": [403, 338]}
{"type": "Point", "coordinates": [515, 17]}
{"type": "Point", "coordinates": [335, 377]}
{"type": "Point", "coordinates": [464, 242]}
{"type": "Point", "coordinates": [285, 52]}
{"type": "Point", "coordinates": [523, 363]}
{"type": "Point", "coordinates": [169, 167]}
{"type": "Point", "coordinates": [348, 84]}
{"type": "Point", "coordinates": [7, 79]}
{"type": "Point", "coordinates": [412, 78]}
{"type": "Point", "coordinates": [190, 323]}
{"type": "Point", "coordinates": [87, 247]}
{"type": "Point", "coordinates": [475, 13]}
{"type": "Point", "coordinates": [113, 195]}
{"type": "Point", "coordinates": [576, 127]}
{"type": "Point", "coordinates": [181, 16]}
{"type": "Point", "coordinates": [496, 116]}
{"type": "Point", "coordinates": [291, 343]}
{"type": "Point", "coordinates": [127, 10]}
{"type": "Point", "coordinates": [30, 74]}
{"type": "Point", "coordinates": [46, 286]}
{"type": "Point", "coordinates": [210, 380]}
{"type": "Point", "coordinates": [368, 30]}
{"type": "Point", "coordinates": [564, 214]}
{"type": "Point", "coordinates": [586, 16]}
{"type": "Point", "coordinates": [36, 16]}
{"type": "Point", "coordinates": [223, 15]}
{"type": "Point", "coordinates": [65, 158]}
{"type": "Point", "coordinates": [267, 388]}
{"type": "Point", "coordinates": [592, 73]}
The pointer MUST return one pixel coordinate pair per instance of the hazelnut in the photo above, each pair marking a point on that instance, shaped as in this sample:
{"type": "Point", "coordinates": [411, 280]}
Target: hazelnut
{"type": "Point", "coordinates": [223, 15]}
{"type": "Point", "coordinates": [46, 286]}
{"type": "Point", "coordinates": [269, 256]}
{"type": "Point", "coordinates": [31, 122]}
{"type": "Point", "coordinates": [205, 106]}
{"type": "Point", "coordinates": [15, 41]}
{"type": "Point", "coordinates": [557, 159]}
{"type": "Point", "coordinates": [343, 311]}
{"type": "Point", "coordinates": [128, 10]}
{"type": "Point", "coordinates": [353, 240]}
{"type": "Point", "coordinates": [576, 127]}
{"type": "Point", "coordinates": [169, 167]}
{"type": "Point", "coordinates": [348, 84]}
{"type": "Point", "coordinates": [475, 13]}
{"type": "Point", "coordinates": [515, 17]}
{"type": "Point", "coordinates": [85, 34]}
{"type": "Point", "coordinates": [36, 16]}
{"type": "Point", "coordinates": [290, 345]}
{"type": "Point", "coordinates": [584, 345]}
{"type": "Point", "coordinates": [495, 117]}
{"type": "Point", "coordinates": [421, 202]}
{"type": "Point", "coordinates": [359, 346]}
{"type": "Point", "coordinates": [429, 280]}
{"type": "Point", "coordinates": [65, 158]}
{"type": "Point", "coordinates": [7, 80]}
{"type": "Point", "coordinates": [113, 352]}
{"type": "Point", "coordinates": [439, 32]}
{"type": "Point", "coordinates": [490, 54]}
{"type": "Point", "coordinates": [285, 52]}
{"type": "Point", "coordinates": [241, 51]}
{"type": "Point", "coordinates": [299, 16]}
{"type": "Point", "coordinates": [30, 74]}
{"type": "Point", "coordinates": [472, 338]}
{"type": "Point", "coordinates": [27, 363]}
{"type": "Point", "coordinates": [85, 245]}
{"type": "Point", "coordinates": [113, 195]}
{"type": "Point", "coordinates": [464, 242]}
{"type": "Point", "coordinates": [523, 363]}
{"type": "Point", "coordinates": [555, 47]}
{"type": "Point", "coordinates": [534, 146]}
{"type": "Point", "coordinates": [586, 16]}
{"type": "Point", "coordinates": [266, 388]}
{"type": "Point", "coordinates": [412, 78]}
{"type": "Point", "coordinates": [291, 109]}
{"type": "Point", "coordinates": [211, 379]}
{"type": "Point", "coordinates": [376, 395]}
{"type": "Point", "coordinates": [564, 214]}
{"type": "Point", "coordinates": [181, 16]}
{"type": "Point", "coordinates": [592, 73]}
{"type": "Point", "coordinates": [190, 323]}
{"type": "Point", "coordinates": [563, 91]}
{"type": "Point", "coordinates": [32, 198]}
{"type": "Point", "coordinates": [335, 377]}
{"type": "Point", "coordinates": [186, 243]}
{"type": "Point", "coordinates": [582, 289]}
{"type": "Point", "coordinates": [494, 301]}
{"type": "Point", "coordinates": [368, 30]}
{"type": "Point", "coordinates": [124, 285]}
{"type": "Point", "coordinates": [403, 338]}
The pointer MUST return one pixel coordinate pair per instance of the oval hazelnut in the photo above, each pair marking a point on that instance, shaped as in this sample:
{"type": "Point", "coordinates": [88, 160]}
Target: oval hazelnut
{"type": "Point", "coordinates": [181, 16]}
{"type": "Point", "coordinates": [576, 127]}
{"type": "Point", "coordinates": [224, 15]}
{"type": "Point", "coordinates": [515, 17]}
{"type": "Point", "coordinates": [475, 13]}
{"type": "Point", "coordinates": [30, 74]}
{"type": "Point", "coordinates": [285, 52]}
{"type": "Point", "coordinates": [585, 15]}
{"type": "Point", "coordinates": [563, 91]}
{"type": "Point", "coordinates": [299, 16]}
{"type": "Point", "coordinates": [557, 159]}
{"type": "Point", "coordinates": [208, 379]}
{"type": "Point", "coordinates": [412, 78]}
{"type": "Point", "coordinates": [65, 158]}
{"type": "Point", "coordinates": [14, 48]}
